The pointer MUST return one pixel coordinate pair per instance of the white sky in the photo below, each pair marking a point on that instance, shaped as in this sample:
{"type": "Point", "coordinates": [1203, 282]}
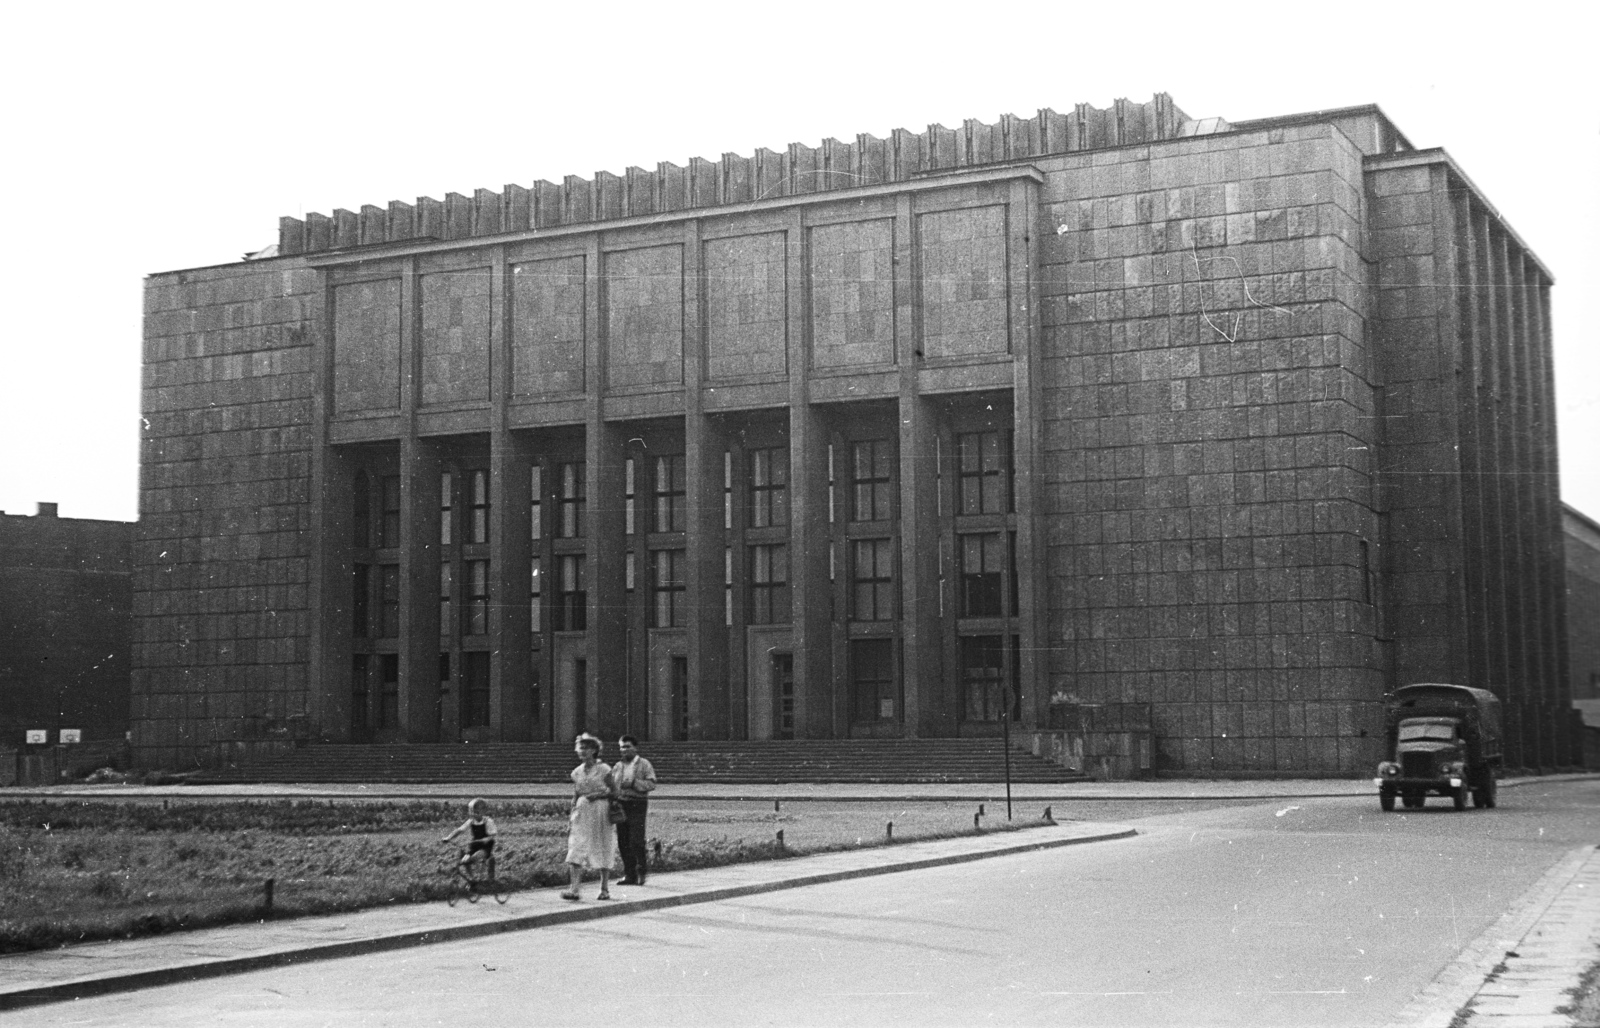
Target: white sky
{"type": "Point", "coordinates": [147, 137]}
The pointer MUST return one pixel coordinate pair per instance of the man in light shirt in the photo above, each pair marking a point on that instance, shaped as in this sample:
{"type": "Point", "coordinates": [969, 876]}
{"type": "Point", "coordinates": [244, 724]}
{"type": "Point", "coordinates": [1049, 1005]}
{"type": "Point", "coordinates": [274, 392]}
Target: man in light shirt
{"type": "Point", "coordinates": [636, 779]}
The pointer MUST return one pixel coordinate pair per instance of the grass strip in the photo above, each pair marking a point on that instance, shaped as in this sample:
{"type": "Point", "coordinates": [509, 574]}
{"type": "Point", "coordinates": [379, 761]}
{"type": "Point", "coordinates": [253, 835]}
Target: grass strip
{"type": "Point", "coordinates": [76, 871]}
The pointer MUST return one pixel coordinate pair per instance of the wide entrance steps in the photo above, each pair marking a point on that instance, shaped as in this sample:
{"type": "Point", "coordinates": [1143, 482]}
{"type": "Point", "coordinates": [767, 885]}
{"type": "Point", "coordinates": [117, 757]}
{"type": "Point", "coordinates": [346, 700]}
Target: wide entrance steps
{"type": "Point", "coordinates": [896, 761]}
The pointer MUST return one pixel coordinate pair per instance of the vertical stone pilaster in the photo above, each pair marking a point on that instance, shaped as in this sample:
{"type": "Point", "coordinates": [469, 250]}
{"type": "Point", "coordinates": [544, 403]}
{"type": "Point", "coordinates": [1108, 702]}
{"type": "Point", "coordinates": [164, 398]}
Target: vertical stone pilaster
{"type": "Point", "coordinates": [922, 672]}
{"type": "Point", "coordinates": [815, 689]}
{"type": "Point", "coordinates": [1454, 455]}
{"type": "Point", "coordinates": [511, 670]}
{"type": "Point", "coordinates": [1535, 664]}
{"type": "Point", "coordinates": [919, 668]}
{"type": "Point", "coordinates": [605, 542]}
{"type": "Point", "coordinates": [607, 704]}
{"type": "Point", "coordinates": [420, 468]}
{"type": "Point", "coordinates": [710, 713]}
{"type": "Point", "coordinates": [710, 707]}
{"type": "Point", "coordinates": [1480, 659]}
{"type": "Point", "coordinates": [332, 598]}
{"type": "Point", "coordinates": [1027, 407]}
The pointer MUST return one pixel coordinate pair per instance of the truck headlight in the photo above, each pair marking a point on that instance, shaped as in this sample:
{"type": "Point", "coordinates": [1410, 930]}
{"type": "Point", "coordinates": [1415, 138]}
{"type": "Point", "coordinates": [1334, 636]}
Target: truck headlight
{"type": "Point", "coordinates": [1388, 769]}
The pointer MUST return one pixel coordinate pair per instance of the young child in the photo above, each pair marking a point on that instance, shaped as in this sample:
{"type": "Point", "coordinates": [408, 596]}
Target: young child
{"type": "Point", "coordinates": [481, 831]}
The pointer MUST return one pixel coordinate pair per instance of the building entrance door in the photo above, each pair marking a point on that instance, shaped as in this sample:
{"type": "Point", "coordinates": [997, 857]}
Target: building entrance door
{"type": "Point", "coordinates": [875, 688]}
{"type": "Point", "coordinates": [680, 697]}
{"type": "Point", "coordinates": [782, 678]}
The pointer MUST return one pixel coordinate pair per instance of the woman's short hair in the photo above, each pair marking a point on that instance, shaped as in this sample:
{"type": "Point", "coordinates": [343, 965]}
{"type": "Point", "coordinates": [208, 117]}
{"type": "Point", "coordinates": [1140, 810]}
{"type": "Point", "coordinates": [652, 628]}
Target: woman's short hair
{"type": "Point", "coordinates": [476, 805]}
{"type": "Point", "coordinates": [630, 740]}
{"type": "Point", "coordinates": [588, 740]}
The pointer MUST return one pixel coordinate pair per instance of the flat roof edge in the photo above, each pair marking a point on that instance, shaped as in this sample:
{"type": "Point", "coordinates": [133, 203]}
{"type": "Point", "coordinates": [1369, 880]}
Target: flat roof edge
{"type": "Point", "coordinates": [1438, 155]}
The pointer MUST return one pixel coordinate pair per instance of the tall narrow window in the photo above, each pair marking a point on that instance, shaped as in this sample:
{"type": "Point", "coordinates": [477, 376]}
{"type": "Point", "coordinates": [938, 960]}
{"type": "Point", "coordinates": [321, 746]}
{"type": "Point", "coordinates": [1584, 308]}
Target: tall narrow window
{"type": "Point", "coordinates": [361, 602]}
{"type": "Point", "coordinates": [361, 514]}
{"type": "Point", "coordinates": [727, 587]}
{"type": "Point", "coordinates": [680, 697]}
{"type": "Point", "coordinates": [982, 575]}
{"type": "Point", "coordinates": [727, 488]}
{"type": "Point", "coordinates": [389, 712]}
{"type": "Point", "coordinates": [389, 535]}
{"type": "Point", "coordinates": [670, 587]}
{"type": "Point", "coordinates": [769, 584]}
{"type": "Point", "coordinates": [769, 487]}
{"type": "Point", "coordinates": [477, 612]}
{"type": "Point", "coordinates": [872, 679]}
{"type": "Point", "coordinates": [535, 598]}
{"type": "Point", "coordinates": [627, 497]}
{"type": "Point", "coordinates": [872, 571]}
{"type": "Point", "coordinates": [536, 502]}
{"type": "Point", "coordinates": [872, 473]}
{"type": "Point", "coordinates": [389, 601]}
{"type": "Point", "coordinates": [475, 689]}
{"type": "Point", "coordinates": [833, 513]}
{"type": "Point", "coordinates": [446, 582]}
{"type": "Point", "coordinates": [983, 469]}
{"type": "Point", "coordinates": [1014, 594]}
{"type": "Point", "coordinates": [572, 500]}
{"type": "Point", "coordinates": [571, 612]}
{"type": "Point", "coordinates": [671, 494]}
{"type": "Point", "coordinates": [580, 693]}
{"type": "Point", "coordinates": [478, 530]}
{"type": "Point", "coordinates": [446, 496]}
{"type": "Point", "coordinates": [983, 678]}
{"type": "Point", "coordinates": [360, 697]}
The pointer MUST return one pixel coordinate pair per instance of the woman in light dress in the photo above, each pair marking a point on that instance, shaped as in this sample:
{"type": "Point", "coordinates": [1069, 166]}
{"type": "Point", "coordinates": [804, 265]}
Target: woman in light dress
{"type": "Point", "coordinates": [591, 842]}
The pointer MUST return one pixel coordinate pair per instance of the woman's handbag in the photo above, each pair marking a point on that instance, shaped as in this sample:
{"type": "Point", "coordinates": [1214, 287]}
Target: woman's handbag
{"type": "Point", "coordinates": [617, 814]}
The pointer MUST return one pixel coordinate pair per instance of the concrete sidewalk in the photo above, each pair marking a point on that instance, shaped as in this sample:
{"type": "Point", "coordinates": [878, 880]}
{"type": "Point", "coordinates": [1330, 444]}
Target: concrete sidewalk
{"type": "Point", "coordinates": [90, 969]}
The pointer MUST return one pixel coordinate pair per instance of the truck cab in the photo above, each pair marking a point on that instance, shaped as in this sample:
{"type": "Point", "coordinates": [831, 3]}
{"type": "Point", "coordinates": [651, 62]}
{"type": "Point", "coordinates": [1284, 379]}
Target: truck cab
{"type": "Point", "coordinates": [1443, 740]}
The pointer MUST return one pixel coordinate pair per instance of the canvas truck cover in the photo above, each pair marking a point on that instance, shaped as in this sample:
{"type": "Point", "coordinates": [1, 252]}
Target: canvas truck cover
{"type": "Point", "coordinates": [1479, 709]}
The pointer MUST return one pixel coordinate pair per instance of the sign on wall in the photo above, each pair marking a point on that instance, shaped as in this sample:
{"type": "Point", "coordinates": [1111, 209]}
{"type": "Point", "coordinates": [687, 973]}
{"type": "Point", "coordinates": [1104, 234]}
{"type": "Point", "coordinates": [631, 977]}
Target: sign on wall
{"type": "Point", "coordinates": [69, 735]}
{"type": "Point", "coordinates": [38, 736]}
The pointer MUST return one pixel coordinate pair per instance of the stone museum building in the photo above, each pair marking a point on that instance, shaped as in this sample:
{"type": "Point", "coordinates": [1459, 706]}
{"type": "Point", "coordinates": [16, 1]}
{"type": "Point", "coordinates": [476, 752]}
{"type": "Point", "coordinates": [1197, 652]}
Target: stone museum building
{"type": "Point", "coordinates": [1241, 423]}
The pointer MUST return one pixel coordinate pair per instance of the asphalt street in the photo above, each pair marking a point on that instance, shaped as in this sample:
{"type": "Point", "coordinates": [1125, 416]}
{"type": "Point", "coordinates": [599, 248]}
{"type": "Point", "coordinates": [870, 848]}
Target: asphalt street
{"type": "Point", "coordinates": [1305, 911]}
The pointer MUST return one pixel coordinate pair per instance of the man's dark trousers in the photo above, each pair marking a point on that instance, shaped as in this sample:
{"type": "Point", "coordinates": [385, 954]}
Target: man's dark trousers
{"type": "Point", "coordinates": [630, 840]}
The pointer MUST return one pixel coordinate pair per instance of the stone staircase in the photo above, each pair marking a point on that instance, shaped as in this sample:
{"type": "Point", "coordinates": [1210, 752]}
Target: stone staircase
{"type": "Point", "coordinates": [732, 762]}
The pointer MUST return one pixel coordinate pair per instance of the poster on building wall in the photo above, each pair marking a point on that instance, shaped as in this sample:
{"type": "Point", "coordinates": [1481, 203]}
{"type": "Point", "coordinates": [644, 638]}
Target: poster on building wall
{"type": "Point", "coordinates": [71, 735]}
{"type": "Point", "coordinates": [38, 736]}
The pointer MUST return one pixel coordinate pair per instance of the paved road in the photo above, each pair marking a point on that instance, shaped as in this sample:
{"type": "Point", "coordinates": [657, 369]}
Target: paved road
{"type": "Point", "coordinates": [1314, 911]}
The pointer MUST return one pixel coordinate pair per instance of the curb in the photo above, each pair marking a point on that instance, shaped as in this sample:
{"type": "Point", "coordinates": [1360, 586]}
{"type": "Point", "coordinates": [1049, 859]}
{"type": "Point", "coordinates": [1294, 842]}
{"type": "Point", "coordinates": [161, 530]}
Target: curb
{"type": "Point", "coordinates": [100, 985]}
{"type": "Point", "coordinates": [1437, 1004]}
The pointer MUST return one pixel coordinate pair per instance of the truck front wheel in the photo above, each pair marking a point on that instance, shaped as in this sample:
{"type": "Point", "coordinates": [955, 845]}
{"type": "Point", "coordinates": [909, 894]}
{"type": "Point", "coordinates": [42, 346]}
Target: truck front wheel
{"type": "Point", "coordinates": [1458, 796]}
{"type": "Point", "coordinates": [1386, 799]}
{"type": "Point", "coordinates": [1484, 795]}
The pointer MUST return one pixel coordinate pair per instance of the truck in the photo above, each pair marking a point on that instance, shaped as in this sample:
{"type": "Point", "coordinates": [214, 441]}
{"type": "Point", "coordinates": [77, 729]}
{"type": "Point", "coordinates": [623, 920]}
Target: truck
{"type": "Point", "coordinates": [1442, 740]}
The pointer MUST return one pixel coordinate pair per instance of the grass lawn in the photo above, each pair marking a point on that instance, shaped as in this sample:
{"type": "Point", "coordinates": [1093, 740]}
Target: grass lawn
{"type": "Point", "coordinates": [78, 870]}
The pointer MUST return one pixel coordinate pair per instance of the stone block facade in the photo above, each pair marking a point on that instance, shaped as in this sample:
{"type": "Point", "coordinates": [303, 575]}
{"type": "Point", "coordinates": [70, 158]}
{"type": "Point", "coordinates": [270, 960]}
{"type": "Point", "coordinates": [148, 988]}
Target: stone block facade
{"type": "Point", "coordinates": [898, 437]}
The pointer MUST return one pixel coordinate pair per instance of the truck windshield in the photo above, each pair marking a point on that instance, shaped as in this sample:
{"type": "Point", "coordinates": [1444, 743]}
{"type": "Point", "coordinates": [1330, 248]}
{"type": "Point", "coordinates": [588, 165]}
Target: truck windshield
{"type": "Point", "coordinates": [1443, 733]}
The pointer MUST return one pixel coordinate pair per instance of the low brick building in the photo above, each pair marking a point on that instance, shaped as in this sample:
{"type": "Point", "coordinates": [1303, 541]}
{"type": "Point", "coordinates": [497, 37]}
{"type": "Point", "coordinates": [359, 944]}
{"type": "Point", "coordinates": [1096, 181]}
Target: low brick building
{"type": "Point", "coordinates": [1240, 425]}
{"type": "Point", "coordinates": [66, 599]}
{"type": "Point", "coordinates": [1582, 549]}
